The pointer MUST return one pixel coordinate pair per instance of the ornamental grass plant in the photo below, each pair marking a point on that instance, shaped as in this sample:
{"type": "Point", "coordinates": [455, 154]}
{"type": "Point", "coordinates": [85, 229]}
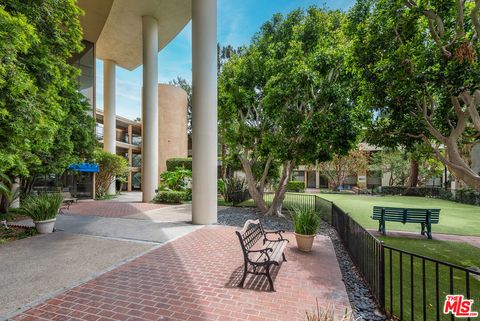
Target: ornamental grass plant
{"type": "Point", "coordinates": [305, 221]}
{"type": "Point", "coordinates": [42, 207]}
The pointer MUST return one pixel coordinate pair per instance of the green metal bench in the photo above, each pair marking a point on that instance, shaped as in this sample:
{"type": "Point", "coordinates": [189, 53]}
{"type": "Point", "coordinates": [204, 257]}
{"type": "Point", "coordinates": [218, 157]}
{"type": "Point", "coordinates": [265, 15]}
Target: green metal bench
{"type": "Point", "coordinates": [426, 217]}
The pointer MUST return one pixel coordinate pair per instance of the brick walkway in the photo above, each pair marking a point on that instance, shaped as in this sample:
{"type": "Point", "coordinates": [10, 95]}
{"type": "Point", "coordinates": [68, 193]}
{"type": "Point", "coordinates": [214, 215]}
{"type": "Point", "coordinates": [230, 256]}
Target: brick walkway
{"type": "Point", "coordinates": [111, 208]}
{"type": "Point", "coordinates": [194, 278]}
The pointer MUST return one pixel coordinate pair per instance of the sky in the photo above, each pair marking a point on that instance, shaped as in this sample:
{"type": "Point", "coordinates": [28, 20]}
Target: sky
{"type": "Point", "coordinates": [238, 21]}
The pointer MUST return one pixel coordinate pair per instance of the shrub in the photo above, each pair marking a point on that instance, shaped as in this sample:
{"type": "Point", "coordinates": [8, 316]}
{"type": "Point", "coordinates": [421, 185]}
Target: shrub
{"type": "Point", "coordinates": [411, 191]}
{"type": "Point", "coordinates": [467, 196]}
{"type": "Point", "coordinates": [42, 207]}
{"type": "Point", "coordinates": [174, 163]}
{"type": "Point", "coordinates": [235, 190]}
{"type": "Point", "coordinates": [295, 186]}
{"type": "Point", "coordinates": [111, 165]}
{"type": "Point", "coordinates": [177, 179]}
{"type": "Point", "coordinates": [170, 197]}
{"type": "Point", "coordinates": [305, 221]}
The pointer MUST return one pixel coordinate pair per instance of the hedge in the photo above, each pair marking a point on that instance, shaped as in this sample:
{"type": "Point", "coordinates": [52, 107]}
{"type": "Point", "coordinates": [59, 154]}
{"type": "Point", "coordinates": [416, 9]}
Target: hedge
{"type": "Point", "coordinates": [170, 197]}
{"type": "Point", "coordinates": [174, 163]}
{"type": "Point", "coordinates": [295, 186]}
{"type": "Point", "coordinates": [464, 196]}
{"type": "Point", "coordinates": [411, 191]}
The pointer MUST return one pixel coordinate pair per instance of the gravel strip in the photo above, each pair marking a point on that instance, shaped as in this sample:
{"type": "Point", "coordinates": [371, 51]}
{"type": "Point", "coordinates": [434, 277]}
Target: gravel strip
{"type": "Point", "coordinates": [363, 303]}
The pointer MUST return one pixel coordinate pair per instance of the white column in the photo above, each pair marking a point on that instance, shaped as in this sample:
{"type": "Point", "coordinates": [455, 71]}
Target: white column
{"type": "Point", "coordinates": [150, 108]}
{"type": "Point", "coordinates": [204, 135]}
{"type": "Point", "coordinates": [109, 112]}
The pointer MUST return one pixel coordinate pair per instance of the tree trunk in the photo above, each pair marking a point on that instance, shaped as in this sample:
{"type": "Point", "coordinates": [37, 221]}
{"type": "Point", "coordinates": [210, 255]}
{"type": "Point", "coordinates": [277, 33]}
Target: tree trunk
{"type": "Point", "coordinates": [414, 169]}
{"type": "Point", "coordinates": [256, 195]}
{"type": "Point", "coordinates": [279, 197]}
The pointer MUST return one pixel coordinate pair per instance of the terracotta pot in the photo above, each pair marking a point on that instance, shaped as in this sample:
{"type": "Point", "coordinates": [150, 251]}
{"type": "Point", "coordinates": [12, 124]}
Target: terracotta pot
{"type": "Point", "coordinates": [304, 242]}
{"type": "Point", "coordinates": [45, 227]}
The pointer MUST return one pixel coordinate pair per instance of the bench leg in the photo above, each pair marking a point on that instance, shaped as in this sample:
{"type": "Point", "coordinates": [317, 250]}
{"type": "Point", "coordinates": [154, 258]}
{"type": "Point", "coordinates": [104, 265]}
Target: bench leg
{"type": "Point", "coordinates": [429, 231]}
{"type": "Point", "coordinates": [284, 258]}
{"type": "Point", "coordinates": [380, 226]}
{"type": "Point", "coordinates": [270, 281]}
{"type": "Point", "coordinates": [240, 285]}
{"type": "Point", "coordinates": [384, 230]}
{"type": "Point", "coordinates": [423, 229]}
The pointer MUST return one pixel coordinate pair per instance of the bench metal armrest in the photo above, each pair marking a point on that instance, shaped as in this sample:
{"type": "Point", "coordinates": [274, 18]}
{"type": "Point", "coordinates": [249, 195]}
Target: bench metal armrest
{"type": "Point", "coordinates": [279, 238]}
{"type": "Point", "coordinates": [263, 251]}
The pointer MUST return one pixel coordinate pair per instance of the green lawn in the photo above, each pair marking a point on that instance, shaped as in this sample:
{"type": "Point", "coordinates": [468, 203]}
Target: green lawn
{"type": "Point", "coordinates": [455, 218]}
{"type": "Point", "coordinates": [456, 253]}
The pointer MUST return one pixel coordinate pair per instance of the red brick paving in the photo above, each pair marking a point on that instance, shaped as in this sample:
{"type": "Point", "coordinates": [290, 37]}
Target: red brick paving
{"type": "Point", "coordinates": [111, 208]}
{"type": "Point", "coordinates": [194, 278]}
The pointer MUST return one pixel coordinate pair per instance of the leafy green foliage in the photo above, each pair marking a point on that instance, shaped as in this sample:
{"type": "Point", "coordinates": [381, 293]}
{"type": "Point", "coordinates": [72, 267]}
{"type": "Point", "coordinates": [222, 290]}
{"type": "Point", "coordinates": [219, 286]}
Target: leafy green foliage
{"type": "Point", "coordinates": [419, 75]}
{"type": "Point", "coordinates": [44, 125]}
{"type": "Point", "coordinates": [305, 221]}
{"type": "Point", "coordinates": [174, 163]}
{"type": "Point", "coordinates": [285, 99]}
{"type": "Point", "coordinates": [171, 197]}
{"type": "Point", "coordinates": [234, 189]}
{"type": "Point", "coordinates": [294, 186]}
{"type": "Point", "coordinates": [111, 165]}
{"type": "Point", "coordinates": [42, 207]}
{"type": "Point", "coordinates": [176, 180]}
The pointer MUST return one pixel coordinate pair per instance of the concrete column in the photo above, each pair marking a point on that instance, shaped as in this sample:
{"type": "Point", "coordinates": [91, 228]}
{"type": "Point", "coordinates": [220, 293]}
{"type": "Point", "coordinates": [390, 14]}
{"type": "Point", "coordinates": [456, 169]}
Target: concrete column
{"type": "Point", "coordinates": [204, 135]}
{"type": "Point", "coordinates": [150, 108]}
{"type": "Point", "coordinates": [130, 163]}
{"type": "Point", "coordinates": [109, 112]}
{"type": "Point", "coordinates": [130, 134]}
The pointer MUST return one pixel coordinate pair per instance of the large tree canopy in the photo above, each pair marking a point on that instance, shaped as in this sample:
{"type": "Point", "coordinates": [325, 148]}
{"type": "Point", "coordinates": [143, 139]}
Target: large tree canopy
{"type": "Point", "coordinates": [44, 125]}
{"type": "Point", "coordinates": [286, 98]}
{"type": "Point", "coordinates": [420, 75]}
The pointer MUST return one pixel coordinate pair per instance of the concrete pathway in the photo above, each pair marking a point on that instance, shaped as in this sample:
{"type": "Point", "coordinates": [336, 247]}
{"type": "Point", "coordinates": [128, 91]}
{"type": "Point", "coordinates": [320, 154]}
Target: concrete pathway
{"type": "Point", "coordinates": [122, 228]}
{"type": "Point", "coordinates": [195, 278]}
{"type": "Point", "coordinates": [472, 240]}
{"type": "Point", "coordinates": [101, 236]}
{"type": "Point", "coordinates": [35, 268]}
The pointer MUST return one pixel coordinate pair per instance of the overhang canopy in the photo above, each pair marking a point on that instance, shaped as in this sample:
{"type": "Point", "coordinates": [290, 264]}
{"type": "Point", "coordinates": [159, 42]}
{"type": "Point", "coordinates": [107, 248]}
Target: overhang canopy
{"type": "Point", "coordinates": [120, 39]}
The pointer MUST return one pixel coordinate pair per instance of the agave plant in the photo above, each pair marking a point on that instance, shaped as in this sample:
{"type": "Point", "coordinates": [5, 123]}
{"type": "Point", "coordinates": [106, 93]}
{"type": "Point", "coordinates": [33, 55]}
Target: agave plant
{"type": "Point", "coordinates": [42, 207]}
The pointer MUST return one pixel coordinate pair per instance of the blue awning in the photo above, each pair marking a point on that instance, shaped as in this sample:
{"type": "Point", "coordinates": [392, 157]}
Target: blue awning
{"type": "Point", "coordinates": [85, 168]}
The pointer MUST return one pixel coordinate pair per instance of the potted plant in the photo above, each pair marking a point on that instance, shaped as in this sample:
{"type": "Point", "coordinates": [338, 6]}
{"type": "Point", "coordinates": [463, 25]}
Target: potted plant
{"type": "Point", "coordinates": [305, 224]}
{"type": "Point", "coordinates": [43, 210]}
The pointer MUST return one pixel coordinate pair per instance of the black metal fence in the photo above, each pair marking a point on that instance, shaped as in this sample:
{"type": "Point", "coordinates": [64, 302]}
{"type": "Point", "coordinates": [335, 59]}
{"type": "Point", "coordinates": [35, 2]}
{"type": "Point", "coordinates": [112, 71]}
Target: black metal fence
{"type": "Point", "coordinates": [364, 249]}
{"type": "Point", "coordinates": [407, 285]}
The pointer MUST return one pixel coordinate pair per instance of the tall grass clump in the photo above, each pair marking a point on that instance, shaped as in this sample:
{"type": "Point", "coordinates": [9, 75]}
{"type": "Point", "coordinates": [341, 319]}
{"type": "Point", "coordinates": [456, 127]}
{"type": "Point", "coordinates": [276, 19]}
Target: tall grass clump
{"type": "Point", "coordinates": [42, 207]}
{"type": "Point", "coordinates": [305, 221]}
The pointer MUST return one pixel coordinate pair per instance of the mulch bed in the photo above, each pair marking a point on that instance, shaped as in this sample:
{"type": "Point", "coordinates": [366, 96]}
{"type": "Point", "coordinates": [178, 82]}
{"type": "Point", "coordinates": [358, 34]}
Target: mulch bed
{"type": "Point", "coordinates": [15, 233]}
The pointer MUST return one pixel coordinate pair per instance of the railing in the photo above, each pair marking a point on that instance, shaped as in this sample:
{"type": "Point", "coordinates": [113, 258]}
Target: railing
{"type": "Point", "coordinates": [416, 286]}
{"type": "Point", "coordinates": [407, 285]}
{"type": "Point", "coordinates": [364, 249]}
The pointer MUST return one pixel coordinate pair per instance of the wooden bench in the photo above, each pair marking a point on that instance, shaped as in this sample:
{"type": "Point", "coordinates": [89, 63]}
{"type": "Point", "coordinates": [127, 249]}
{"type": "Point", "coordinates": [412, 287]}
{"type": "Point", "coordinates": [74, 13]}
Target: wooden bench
{"type": "Point", "coordinates": [68, 200]}
{"type": "Point", "coordinates": [259, 251]}
{"type": "Point", "coordinates": [426, 217]}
